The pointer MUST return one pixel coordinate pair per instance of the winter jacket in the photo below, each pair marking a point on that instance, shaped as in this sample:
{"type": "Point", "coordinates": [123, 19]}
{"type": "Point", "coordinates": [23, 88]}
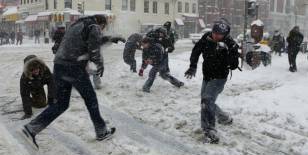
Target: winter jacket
{"type": "Point", "coordinates": [132, 44]}
{"type": "Point", "coordinates": [155, 53]}
{"type": "Point", "coordinates": [81, 43]}
{"type": "Point", "coordinates": [294, 40]}
{"type": "Point", "coordinates": [173, 36]}
{"type": "Point", "coordinates": [218, 58]}
{"type": "Point", "coordinates": [32, 87]}
{"type": "Point", "coordinates": [164, 41]}
{"type": "Point", "coordinates": [57, 38]}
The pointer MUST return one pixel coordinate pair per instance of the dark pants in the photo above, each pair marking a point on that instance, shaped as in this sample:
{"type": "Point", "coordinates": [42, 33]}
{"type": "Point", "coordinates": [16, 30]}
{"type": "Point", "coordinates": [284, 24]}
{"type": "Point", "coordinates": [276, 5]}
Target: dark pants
{"type": "Point", "coordinates": [37, 39]}
{"type": "Point", "coordinates": [166, 61]}
{"type": "Point", "coordinates": [209, 110]}
{"type": "Point", "coordinates": [292, 54]}
{"type": "Point", "coordinates": [129, 56]}
{"type": "Point", "coordinates": [163, 73]}
{"type": "Point", "coordinates": [66, 77]}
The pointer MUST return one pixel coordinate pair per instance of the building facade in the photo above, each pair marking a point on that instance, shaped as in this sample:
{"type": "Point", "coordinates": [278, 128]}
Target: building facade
{"type": "Point", "coordinates": [126, 16]}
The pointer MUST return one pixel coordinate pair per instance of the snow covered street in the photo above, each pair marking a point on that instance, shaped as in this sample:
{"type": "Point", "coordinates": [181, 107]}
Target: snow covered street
{"type": "Point", "coordinates": [269, 107]}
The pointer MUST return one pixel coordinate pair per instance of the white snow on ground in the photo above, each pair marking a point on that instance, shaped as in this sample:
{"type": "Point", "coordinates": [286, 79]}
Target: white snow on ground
{"type": "Point", "coordinates": [269, 107]}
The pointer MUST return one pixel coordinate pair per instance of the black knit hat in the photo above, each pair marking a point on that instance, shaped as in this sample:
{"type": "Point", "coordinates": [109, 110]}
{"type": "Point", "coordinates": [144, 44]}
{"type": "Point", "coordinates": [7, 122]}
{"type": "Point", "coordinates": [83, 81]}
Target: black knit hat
{"type": "Point", "coordinates": [221, 26]}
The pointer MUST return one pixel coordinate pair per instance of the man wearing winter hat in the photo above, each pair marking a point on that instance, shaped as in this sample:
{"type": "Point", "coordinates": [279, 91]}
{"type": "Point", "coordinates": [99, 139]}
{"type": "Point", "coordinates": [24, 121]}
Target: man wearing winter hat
{"type": "Point", "coordinates": [81, 44]}
{"type": "Point", "coordinates": [220, 54]}
{"type": "Point", "coordinates": [35, 75]}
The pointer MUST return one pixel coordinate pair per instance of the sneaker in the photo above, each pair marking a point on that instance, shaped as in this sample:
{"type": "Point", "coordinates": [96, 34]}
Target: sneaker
{"type": "Point", "coordinates": [211, 137]}
{"type": "Point", "coordinates": [146, 90]}
{"type": "Point", "coordinates": [227, 121]}
{"type": "Point", "coordinates": [181, 84]}
{"type": "Point", "coordinates": [107, 135]}
{"type": "Point", "coordinates": [29, 137]}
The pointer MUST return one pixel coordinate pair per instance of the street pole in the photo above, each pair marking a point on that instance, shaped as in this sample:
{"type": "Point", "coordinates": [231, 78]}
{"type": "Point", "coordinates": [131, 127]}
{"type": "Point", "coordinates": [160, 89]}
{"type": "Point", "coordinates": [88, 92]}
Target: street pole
{"type": "Point", "coordinates": [245, 20]}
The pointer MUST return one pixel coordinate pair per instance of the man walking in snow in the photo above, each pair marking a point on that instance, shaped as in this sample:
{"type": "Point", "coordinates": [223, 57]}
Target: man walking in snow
{"type": "Point", "coordinates": [295, 39]}
{"type": "Point", "coordinates": [36, 74]}
{"type": "Point", "coordinates": [133, 43]}
{"type": "Point", "coordinates": [220, 54]}
{"type": "Point", "coordinates": [153, 55]}
{"type": "Point", "coordinates": [80, 44]}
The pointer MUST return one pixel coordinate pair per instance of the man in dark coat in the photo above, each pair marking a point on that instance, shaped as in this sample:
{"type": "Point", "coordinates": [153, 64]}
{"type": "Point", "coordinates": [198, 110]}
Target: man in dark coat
{"type": "Point", "coordinates": [220, 54]}
{"type": "Point", "coordinates": [133, 43]}
{"type": "Point", "coordinates": [37, 34]}
{"type": "Point", "coordinates": [19, 37]}
{"type": "Point", "coordinates": [81, 44]}
{"type": "Point", "coordinates": [12, 36]}
{"type": "Point", "coordinates": [57, 38]}
{"type": "Point", "coordinates": [35, 75]}
{"type": "Point", "coordinates": [153, 55]}
{"type": "Point", "coordinates": [277, 43]}
{"type": "Point", "coordinates": [295, 39]}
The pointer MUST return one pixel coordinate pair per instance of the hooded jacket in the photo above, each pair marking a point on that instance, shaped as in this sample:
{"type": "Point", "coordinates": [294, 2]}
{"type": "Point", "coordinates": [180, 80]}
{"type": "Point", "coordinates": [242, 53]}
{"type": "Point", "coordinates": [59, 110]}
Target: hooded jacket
{"type": "Point", "coordinates": [32, 87]}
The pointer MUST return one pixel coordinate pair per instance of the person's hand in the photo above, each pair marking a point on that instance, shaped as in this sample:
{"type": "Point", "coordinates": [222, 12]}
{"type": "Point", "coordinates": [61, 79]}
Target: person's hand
{"type": "Point", "coordinates": [170, 49]}
{"type": "Point", "coordinates": [26, 116]}
{"type": "Point", "coordinates": [100, 71]}
{"type": "Point", "coordinates": [191, 72]}
{"type": "Point", "coordinates": [141, 72]}
{"type": "Point", "coordinates": [117, 39]}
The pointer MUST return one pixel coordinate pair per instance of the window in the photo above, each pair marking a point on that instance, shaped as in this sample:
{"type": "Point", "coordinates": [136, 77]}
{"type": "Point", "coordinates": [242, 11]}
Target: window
{"type": "Point", "coordinates": [155, 7]}
{"type": "Point", "coordinates": [280, 6]}
{"type": "Point", "coordinates": [146, 6]}
{"type": "Point", "coordinates": [108, 4]}
{"type": "Point", "coordinates": [272, 5]}
{"type": "Point", "coordinates": [55, 3]}
{"type": "Point", "coordinates": [180, 7]}
{"type": "Point", "coordinates": [124, 5]}
{"type": "Point", "coordinates": [27, 1]}
{"type": "Point", "coordinates": [46, 4]}
{"type": "Point", "coordinates": [194, 8]}
{"type": "Point", "coordinates": [186, 7]}
{"type": "Point", "coordinates": [166, 8]}
{"type": "Point", "coordinates": [31, 1]}
{"type": "Point", "coordinates": [132, 5]}
{"type": "Point", "coordinates": [20, 2]}
{"type": "Point", "coordinates": [288, 6]}
{"type": "Point", "coordinates": [67, 3]}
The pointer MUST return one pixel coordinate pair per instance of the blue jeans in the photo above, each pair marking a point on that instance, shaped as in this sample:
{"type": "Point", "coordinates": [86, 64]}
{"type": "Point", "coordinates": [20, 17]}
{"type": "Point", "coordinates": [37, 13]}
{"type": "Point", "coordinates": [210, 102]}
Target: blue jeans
{"type": "Point", "coordinates": [209, 93]}
{"type": "Point", "coordinates": [66, 77]}
{"type": "Point", "coordinates": [163, 71]}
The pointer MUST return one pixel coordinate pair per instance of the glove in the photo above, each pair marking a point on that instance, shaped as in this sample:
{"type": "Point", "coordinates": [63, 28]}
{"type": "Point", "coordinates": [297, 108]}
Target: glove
{"type": "Point", "coordinates": [170, 49]}
{"type": "Point", "coordinates": [100, 71]}
{"type": "Point", "coordinates": [141, 72]}
{"type": "Point", "coordinates": [26, 116]}
{"type": "Point", "coordinates": [117, 39]}
{"type": "Point", "coordinates": [191, 72]}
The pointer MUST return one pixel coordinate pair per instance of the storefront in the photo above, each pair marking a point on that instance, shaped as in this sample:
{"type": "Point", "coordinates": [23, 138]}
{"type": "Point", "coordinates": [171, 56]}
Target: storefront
{"type": "Point", "coordinates": [10, 16]}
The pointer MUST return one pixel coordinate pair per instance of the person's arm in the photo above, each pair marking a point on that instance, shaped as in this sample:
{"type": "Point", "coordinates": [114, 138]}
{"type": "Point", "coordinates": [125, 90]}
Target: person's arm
{"type": "Point", "coordinates": [196, 52]}
{"type": "Point", "coordinates": [144, 65]}
{"type": "Point", "coordinates": [25, 97]}
{"type": "Point", "coordinates": [233, 54]}
{"type": "Point", "coordinates": [94, 44]}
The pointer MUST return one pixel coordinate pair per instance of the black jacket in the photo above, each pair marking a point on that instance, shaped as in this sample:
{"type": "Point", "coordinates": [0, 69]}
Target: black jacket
{"type": "Point", "coordinates": [133, 43]}
{"type": "Point", "coordinates": [32, 88]}
{"type": "Point", "coordinates": [154, 53]}
{"type": "Point", "coordinates": [295, 40]}
{"type": "Point", "coordinates": [81, 43]}
{"type": "Point", "coordinates": [166, 42]}
{"type": "Point", "coordinates": [218, 59]}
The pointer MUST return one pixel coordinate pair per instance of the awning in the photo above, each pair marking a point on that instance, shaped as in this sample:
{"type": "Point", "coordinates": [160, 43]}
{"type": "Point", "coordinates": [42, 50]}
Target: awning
{"type": "Point", "coordinates": [202, 24]}
{"type": "Point", "coordinates": [20, 22]}
{"type": "Point", "coordinates": [11, 14]}
{"type": "Point", "coordinates": [44, 16]}
{"type": "Point", "coordinates": [189, 15]}
{"type": "Point", "coordinates": [31, 18]}
{"type": "Point", "coordinates": [71, 12]}
{"type": "Point", "coordinates": [179, 21]}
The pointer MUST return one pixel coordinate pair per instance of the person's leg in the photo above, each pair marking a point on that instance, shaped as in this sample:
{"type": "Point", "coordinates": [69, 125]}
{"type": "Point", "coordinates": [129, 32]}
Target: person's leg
{"type": "Point", "coordinates": [294, 60]}
{"type": "Point", "coordinates": [174, 81]}
{"type": "Point", "coordinates": [84, 87]}
{"type": "Point", "coordinates": [290, 58]}
{"type": "Point", "coordinates": [97, 81]}
{"type": "Point", "coordinates": [152, 75]}
{"type": "Point", "coordinates": [209, 93]}
{"type": "Point", "coordinates": [63, 92]}
{"type": "Point", "coordinates": [133, 62]}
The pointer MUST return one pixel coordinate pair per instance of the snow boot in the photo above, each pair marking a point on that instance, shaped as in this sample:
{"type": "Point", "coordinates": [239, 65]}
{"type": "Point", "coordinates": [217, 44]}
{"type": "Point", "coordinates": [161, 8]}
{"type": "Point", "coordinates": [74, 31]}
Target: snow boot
{"type": "Point", "coordinates": [107, 135]}
{"type": "Point", "coordinates": [29, 137]}
{"type": "Point", "coordinates": [211, 137]}
{"type": "Point", "coordinates": [227, 121]}
{"type": "Point", "coordinates": [180, 84]}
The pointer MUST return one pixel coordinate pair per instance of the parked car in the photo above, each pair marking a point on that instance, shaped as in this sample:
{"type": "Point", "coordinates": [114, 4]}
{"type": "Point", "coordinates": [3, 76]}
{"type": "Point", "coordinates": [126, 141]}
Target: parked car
{"type": "Point", "coordinates": [195, 37]}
